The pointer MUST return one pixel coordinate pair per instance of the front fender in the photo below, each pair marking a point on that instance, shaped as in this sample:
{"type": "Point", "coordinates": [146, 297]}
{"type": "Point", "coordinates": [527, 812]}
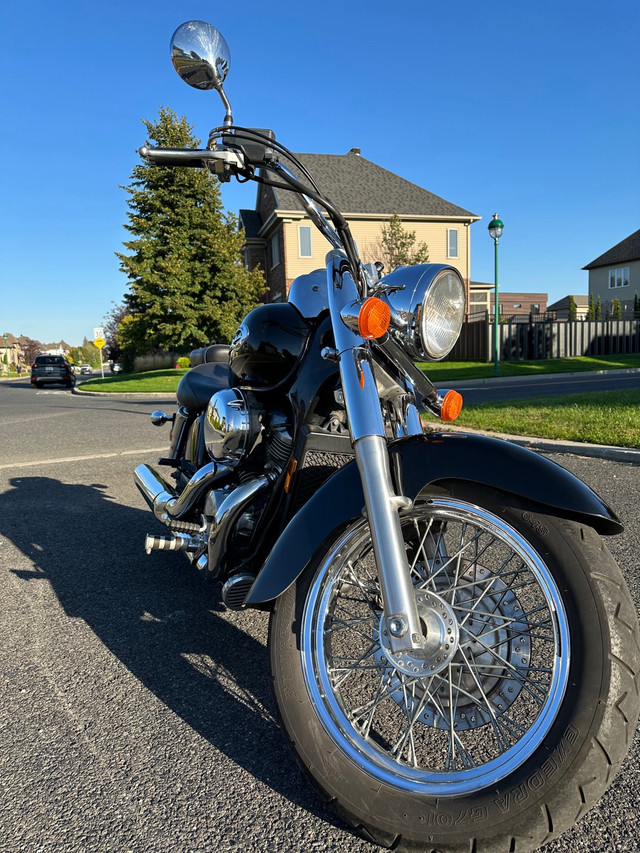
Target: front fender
{"type": "Point", "coordinates": [416, 463]}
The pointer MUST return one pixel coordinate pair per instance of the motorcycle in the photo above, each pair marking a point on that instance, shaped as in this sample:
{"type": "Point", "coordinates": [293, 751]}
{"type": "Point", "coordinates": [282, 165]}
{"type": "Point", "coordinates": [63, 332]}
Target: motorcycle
{"type": "Point", "coordinates": [454, 651]}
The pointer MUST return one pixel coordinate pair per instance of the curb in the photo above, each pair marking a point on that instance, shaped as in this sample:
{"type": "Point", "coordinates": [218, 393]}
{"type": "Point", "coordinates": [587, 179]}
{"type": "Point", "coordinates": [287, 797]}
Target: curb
{"type": "Point", "coordinates": [135, 395]}
{"type": "Point", "coordinates": [550, 445]}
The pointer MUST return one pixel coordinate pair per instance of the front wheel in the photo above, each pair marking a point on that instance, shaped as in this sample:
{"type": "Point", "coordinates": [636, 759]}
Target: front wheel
{"type": "Point", "coordinates": [516, 719]}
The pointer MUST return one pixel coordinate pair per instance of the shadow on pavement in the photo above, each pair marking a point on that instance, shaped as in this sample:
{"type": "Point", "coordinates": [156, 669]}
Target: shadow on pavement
{"type": "Point", "coordinates": [156, 616]}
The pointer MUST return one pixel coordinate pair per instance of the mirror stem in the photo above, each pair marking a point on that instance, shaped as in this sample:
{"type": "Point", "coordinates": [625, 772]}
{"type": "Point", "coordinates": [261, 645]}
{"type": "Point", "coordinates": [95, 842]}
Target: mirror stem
{"type": "Point", "coordinates": [228, 119]}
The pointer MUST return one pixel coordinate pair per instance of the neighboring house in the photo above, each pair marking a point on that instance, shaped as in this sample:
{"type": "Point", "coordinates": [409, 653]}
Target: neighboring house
{"type": "Point", "coordinates": [10, 350]}
{"type": "Point", "coordinates": [280, 238]}
{"type": "Point", "coordinates": [61, 348]}
{"type": "Point", "coordinates": [616, 274]}
{"type": "Point", "coordinates": [561, 307]}
{"type": "Point", "coordinates": [481, 300]}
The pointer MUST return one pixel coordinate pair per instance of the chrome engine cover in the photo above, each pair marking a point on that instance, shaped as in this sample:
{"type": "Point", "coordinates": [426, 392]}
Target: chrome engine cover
{"type": "Point", "coordinates": [230, 428]}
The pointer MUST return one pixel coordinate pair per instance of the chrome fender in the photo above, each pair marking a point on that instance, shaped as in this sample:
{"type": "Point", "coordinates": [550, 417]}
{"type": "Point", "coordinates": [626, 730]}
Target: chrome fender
{"type": "Point", "coordinates": [418, 462]}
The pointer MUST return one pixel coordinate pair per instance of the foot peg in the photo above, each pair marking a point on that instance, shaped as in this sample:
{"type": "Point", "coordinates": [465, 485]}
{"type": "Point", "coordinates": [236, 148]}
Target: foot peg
{"type": "Point", "coordinates": [179, 542]}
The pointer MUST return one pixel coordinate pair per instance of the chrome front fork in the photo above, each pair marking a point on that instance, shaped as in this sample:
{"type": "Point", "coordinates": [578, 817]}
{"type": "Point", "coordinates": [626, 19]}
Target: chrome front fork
{"type": "Point", "coordinates": [382, 504]}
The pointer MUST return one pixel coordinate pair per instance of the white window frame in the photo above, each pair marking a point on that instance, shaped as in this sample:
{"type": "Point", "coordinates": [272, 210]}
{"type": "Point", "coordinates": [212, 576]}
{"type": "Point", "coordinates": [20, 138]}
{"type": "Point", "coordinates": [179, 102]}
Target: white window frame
{"type": "Point", "coordinates": [618, 277]}
{"type": "Point", "coordinates": [450, 253]}
{"type": "Point", "coordinates": [300, 229]}
{"type": "Point", "coordinates": [274, 244]}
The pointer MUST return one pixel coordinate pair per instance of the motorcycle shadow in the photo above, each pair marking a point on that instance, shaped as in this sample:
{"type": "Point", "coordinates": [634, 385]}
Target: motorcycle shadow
{"type": "Point", "coordinates": [207, 664]}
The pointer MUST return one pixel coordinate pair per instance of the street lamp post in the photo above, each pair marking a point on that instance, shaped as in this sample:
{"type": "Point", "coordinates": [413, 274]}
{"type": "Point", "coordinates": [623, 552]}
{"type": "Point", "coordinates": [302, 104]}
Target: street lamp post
{"type": "Point", "coordinates": [495, 231]}
{"type": "Point", "coordinates": [5, 360]}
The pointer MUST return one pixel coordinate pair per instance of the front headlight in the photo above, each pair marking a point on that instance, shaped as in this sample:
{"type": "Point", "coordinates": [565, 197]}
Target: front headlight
{"type": "Point", "coordinates": [427, 304]}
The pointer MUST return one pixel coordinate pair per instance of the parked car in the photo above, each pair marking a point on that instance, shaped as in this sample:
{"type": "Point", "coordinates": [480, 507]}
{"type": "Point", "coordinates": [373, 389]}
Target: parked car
{"type": "Point", "coordinates": [86, 368]}
{"type": "Point", "coordinates": [50, 369]}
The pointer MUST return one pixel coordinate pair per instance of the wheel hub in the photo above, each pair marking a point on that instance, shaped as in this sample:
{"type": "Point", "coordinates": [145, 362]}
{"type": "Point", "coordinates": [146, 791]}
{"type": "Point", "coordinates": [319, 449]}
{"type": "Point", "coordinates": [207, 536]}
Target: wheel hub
{"type": "Point", "coordinates": [440, 629]}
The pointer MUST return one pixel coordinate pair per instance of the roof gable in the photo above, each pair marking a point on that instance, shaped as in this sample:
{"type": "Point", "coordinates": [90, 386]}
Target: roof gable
{"type": "Point", "coordinates": [358, 186]}
{"type": "Point", "coordinates": [626, 250]}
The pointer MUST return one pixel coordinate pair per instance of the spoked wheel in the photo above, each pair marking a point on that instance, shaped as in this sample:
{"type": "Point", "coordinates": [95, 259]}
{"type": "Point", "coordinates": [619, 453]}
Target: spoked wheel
{"type": "Point", "coordinates": [480, 739]}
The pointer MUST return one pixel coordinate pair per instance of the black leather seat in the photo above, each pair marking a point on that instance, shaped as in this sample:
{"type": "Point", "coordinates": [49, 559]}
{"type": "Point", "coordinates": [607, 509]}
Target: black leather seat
{"type": "Point", "coordinates": [197, 386]}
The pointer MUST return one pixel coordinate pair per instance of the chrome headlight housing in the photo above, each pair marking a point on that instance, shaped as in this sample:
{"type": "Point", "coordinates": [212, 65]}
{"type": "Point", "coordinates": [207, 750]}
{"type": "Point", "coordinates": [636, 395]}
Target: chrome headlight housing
{"type": "Point", "coordinates": [427, 304]}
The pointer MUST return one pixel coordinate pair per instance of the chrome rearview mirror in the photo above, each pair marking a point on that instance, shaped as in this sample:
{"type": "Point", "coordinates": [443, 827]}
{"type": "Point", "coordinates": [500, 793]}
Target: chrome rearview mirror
{"type": "Point", "coordinates": [201, 57]}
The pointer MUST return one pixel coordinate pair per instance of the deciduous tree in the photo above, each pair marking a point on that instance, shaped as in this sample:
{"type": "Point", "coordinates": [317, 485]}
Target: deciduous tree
{"type": "Point", "coordinates": [397, 246]}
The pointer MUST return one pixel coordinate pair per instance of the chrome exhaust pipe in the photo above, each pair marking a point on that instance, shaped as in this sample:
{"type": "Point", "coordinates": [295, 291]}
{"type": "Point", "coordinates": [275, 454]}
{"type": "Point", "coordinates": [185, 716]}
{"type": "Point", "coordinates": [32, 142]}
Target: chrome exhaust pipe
{"type": "Point", "coordinates": [227, 514]}
{"type": "Point", "coordinates": [163, 500]}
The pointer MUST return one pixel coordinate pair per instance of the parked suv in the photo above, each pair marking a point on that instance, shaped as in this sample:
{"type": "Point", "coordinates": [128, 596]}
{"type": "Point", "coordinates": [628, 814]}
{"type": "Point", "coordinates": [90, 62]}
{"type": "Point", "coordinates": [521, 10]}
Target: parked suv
{"type": "Point", "coordinates": [47, 369]}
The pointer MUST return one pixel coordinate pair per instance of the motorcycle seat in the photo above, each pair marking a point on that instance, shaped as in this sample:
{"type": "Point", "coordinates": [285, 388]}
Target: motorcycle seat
{"type": "Point", "coordinates": [198, 385]}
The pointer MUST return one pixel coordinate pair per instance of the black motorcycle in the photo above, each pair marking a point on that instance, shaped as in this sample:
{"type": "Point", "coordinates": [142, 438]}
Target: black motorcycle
{"type": "Point", "coordinates": [454, 651]}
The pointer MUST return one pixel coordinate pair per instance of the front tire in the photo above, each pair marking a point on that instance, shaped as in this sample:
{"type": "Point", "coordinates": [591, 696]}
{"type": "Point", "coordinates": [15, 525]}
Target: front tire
{"type": "Point", "coordinates": [516, 723]}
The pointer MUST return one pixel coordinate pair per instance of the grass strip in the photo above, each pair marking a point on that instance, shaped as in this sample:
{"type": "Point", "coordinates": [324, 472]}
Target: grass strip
{"type": "Point", "coordinates": [152, 381]}
{"type": "Point", "coordinates": [609, 417]}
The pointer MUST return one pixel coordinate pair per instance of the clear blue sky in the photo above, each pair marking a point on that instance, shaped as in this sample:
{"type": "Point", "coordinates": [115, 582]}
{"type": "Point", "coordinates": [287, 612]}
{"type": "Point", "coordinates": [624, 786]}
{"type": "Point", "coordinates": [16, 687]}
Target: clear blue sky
{"type": "Point", "coordinates": [530, 109]}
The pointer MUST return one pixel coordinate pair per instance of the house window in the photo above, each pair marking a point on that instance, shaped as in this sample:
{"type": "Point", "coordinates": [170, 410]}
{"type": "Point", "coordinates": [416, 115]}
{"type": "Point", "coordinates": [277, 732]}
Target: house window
{"type": "Point", "coordinates": [275, 250]}
{"type": "Point", "coordinates": [535, 308]}
{"type": "Point", "coordinates": [304, 240]}
{"type": "Point", "coordinates": [452, 242]}
{"type": "Point", "coordinates": [517, 305]}
{"type": "Point", "coordinates": [619, 277]}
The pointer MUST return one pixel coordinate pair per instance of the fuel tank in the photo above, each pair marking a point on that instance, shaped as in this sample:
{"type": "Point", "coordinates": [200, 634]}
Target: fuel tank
{"type": "Point", "coordinates": [268, 346]}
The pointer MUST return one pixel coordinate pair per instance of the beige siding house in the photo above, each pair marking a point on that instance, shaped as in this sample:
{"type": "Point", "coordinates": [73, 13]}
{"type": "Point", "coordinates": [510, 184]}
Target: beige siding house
{"type": "Point", "coordinates": [616, 274]}
{"type": "Point", "coordinates": [283, 241]}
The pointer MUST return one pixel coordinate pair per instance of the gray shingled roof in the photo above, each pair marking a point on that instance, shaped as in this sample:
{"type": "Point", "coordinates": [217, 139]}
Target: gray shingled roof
{"type": "Point", "coordinates": [624, 251]}
{"type": "Point", "coordinates": [251, 221]}
{"type": "Point", "coordinates": [356, 185]}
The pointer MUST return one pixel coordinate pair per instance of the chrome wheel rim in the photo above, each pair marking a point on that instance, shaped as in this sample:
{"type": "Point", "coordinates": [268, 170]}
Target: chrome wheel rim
{"type": "Point", "coordinates": [493, 684]}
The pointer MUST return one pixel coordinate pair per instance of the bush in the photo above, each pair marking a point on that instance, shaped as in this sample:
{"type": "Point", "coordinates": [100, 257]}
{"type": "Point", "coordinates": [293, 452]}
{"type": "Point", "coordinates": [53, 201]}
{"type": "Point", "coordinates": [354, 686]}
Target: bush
{"type": "Point", "coordinates": [183, 362]}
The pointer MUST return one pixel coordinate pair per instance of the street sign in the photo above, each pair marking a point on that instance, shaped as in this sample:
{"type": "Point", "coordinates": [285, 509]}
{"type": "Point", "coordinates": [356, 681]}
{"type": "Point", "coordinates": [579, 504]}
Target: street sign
{"type": "Point", "coordinates": [98, 332]}
{"type": "Point", "coordinates": [99, 342]}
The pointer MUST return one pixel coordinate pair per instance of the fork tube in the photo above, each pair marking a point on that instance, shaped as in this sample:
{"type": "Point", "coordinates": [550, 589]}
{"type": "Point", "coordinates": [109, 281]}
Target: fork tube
{"type": "Point", "coordinates": [370, 448]}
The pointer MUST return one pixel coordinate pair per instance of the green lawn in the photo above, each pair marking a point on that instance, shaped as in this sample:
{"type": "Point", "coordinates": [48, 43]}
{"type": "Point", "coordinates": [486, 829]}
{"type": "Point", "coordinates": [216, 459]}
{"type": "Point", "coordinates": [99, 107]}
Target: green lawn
{"type": "Point", "coordinates": [152, 381]}
{"type": "Point", "coordinates": [607, 417]}
{"type": "Point", "coordinates": [450, 371]}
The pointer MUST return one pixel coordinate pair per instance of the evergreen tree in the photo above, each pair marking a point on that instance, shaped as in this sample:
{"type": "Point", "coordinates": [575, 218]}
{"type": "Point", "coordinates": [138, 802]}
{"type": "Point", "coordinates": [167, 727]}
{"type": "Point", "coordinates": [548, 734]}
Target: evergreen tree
{"type": "Point", "coordinates": [616, 311]}
{"type": "Point", "coordinates": [187, 284]}
{"type": "Point", "coordinates": [636, 306]}
{"type": "Point", "coordinates": [398, 246]}
{"type": "Point", "coordinates": [598, 314]}
{"type": "Point", "coordinates": [591, 311]}
{"type": "Point", "coordinates": [573, 309]}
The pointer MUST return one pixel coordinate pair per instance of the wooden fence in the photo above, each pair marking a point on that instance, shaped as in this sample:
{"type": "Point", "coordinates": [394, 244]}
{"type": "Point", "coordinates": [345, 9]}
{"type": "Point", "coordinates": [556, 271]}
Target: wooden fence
{"type": "Point", "coordinates": [546, 339]}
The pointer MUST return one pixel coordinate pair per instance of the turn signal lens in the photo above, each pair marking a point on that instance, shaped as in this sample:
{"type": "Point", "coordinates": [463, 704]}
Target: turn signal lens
{"type": "Point", "coordinates": [373, 318]}
{"type": "Point", "coordinates": [451, 406]}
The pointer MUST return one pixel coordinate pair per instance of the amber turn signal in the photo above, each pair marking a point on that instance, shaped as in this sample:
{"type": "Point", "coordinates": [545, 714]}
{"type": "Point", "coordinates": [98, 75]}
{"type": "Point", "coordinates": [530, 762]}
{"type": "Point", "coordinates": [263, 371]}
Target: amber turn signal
{"type": "Point", "coordinates": [373, 318]}
{"type": "Point", "coordinates": [451, 406]}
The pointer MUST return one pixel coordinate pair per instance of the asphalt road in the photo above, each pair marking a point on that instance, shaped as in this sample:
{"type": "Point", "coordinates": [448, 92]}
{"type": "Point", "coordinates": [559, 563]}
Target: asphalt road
{"type": "Point", "coordinates": [136, 713]}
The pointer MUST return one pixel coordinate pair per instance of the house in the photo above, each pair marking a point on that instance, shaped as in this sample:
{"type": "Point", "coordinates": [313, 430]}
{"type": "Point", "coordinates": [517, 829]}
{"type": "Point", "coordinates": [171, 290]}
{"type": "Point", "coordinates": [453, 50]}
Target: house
{"type": "Point", "coordinates": [10, 350]}
{"type": "Point", "coordinates": [482, 300]}
{"type": "Point", "coordinates": [561, 307]}
{"type": "Point", "coordinates": [280, 237]}
{"type": "Point", "coordinates": [616, 274]}
{"type": "Point", "coordinates": [59, 348]}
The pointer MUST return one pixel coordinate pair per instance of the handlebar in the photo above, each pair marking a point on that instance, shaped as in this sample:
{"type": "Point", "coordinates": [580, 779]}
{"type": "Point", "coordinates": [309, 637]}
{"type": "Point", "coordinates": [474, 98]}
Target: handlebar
{"type": "Point", "coordinates": [222, 163]}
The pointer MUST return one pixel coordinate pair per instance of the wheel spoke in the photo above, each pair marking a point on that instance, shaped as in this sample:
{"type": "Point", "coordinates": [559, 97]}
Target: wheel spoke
{"type": "Point", "coordinates": [485, 692]}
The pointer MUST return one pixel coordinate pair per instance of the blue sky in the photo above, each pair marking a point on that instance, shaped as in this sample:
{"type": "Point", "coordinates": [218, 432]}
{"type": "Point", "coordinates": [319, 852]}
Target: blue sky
{"type": "Point", "coordinates": [530, 109]}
